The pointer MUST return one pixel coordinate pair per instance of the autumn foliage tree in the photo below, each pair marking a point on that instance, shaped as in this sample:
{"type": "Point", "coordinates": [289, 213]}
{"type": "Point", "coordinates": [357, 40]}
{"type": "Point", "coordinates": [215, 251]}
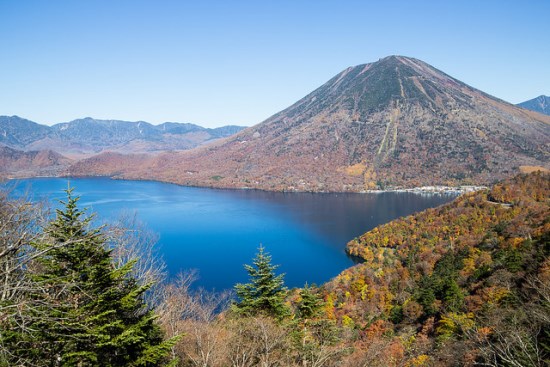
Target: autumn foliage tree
{"type": "Point", "coordinates": [463, 284]}
{"type": "Point", "coordinates": [463, 272]}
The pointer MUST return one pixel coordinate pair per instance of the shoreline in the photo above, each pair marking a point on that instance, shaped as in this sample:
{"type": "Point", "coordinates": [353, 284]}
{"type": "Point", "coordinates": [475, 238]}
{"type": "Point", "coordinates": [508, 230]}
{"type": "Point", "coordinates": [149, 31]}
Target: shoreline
{"type": "Point", "coordinates": [435, 189]}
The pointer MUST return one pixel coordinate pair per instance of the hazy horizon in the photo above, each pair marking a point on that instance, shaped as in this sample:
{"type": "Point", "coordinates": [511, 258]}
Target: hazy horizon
{"type": "Point", "coordinates": [124, 120]}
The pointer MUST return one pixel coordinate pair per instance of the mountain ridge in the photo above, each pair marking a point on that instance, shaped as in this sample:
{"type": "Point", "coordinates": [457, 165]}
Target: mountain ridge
{"type": "Point", "coordinates": [89, 135]}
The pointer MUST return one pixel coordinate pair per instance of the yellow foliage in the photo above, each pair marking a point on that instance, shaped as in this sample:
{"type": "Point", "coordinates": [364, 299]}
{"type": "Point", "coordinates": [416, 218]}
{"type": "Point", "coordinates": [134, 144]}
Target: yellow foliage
{"type": "Point", "coordinates": [348, 322]}
{"type": "Point", "coordinates": [421, 360]}
{"type": "Point", "coordinates": [475, 260]}
{"type": "Point", "coordinates": [469, 266]}
{"type": "Point", "coordinates": [357, 285]}
{"type": "Point", "coordinates": [455, 323]}
{"type": "Point", "coordinates": [496, 294]}
{"type": "Point", "coordinates": [369, 178]}
{"type": "Point", "coordinates": [368, 256]}
{"type": "Point", "coordinates": [408, 343]}
{"type": "Point", "coordinates": [344, 278]}
{"type": "Point", "coordinates": [356, 169]}
{"type": "Point", "coordinates": [365, 293]}
{"type": "Point", "coordinates": [329, 307]}
{"type": "Point", "coordinates": [516, 241]}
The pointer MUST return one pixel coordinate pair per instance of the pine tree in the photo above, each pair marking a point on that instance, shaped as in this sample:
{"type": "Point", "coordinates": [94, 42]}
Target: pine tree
{"type": "Point", "coordinates": [93, 314]}
{"type": "Point", "coordinates": [310, 305]}
{"type": "Point", "coordinates": [266, 291]}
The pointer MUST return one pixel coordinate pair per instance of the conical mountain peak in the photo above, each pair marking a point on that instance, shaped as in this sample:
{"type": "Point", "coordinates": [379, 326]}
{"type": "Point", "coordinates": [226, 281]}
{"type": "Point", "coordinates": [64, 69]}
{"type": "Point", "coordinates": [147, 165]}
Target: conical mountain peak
{"type": "Point", "coordinates": [391, 123]}
{"type": "Point", "coordinates": [367, 88]}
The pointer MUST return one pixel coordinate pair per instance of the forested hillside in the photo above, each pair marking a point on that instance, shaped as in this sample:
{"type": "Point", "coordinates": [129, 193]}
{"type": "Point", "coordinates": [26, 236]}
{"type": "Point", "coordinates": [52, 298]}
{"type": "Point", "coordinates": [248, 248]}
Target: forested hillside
{"type": "Point", "coordinates": [464, 284]}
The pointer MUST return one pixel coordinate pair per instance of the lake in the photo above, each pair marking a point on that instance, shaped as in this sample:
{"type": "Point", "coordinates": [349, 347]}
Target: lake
{"type": "Point", "coordinates": [217, 231]}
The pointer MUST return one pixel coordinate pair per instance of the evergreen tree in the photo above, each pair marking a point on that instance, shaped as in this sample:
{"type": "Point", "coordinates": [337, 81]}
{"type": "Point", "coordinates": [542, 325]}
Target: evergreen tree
{"type": "Point", "coordinates": [266, 291]}
{"type": "Point", "coordinates": [310, 304]}
{"type": "Point", "coordinates": [315, 337]}
{"type": "Point", "coordinates": [93, 314]}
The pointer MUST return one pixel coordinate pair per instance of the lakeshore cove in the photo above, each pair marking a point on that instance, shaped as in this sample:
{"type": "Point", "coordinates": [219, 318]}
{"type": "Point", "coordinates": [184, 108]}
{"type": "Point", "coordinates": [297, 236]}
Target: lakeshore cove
{"type": "Point", "coordinates": [217, 231]}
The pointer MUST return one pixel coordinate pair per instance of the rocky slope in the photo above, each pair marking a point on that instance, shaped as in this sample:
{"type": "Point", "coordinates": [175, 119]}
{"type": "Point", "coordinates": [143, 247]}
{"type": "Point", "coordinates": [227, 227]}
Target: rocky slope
{"type": "Point", "coordinates": [397, 122]}
{"type": "Point", "coordinates": [540, 104]}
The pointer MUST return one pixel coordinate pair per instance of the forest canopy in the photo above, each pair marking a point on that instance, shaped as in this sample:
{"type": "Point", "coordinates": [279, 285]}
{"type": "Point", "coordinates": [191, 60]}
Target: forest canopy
{"type": "Point", "coordinates": [467, 283]}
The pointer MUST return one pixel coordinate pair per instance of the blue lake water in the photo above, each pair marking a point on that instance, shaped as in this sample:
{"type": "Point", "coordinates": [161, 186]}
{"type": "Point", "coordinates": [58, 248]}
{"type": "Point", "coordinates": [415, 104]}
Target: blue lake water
{"type": "Point", "coordinates": [217, 231]}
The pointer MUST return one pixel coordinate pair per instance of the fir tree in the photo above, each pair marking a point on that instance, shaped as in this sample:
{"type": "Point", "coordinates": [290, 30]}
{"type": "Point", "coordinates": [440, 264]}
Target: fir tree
{"type": "Point", "coordinates": [310, 304]}
{"type": "Point", "coordinates": [93, 313]}
{"type": "Point", "coordinates": [266, 291]}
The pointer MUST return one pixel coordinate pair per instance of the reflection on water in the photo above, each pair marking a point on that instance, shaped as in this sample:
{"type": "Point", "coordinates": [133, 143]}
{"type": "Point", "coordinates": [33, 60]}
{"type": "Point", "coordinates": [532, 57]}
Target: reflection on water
{"type": "Point", "coordinates": [217, 231]}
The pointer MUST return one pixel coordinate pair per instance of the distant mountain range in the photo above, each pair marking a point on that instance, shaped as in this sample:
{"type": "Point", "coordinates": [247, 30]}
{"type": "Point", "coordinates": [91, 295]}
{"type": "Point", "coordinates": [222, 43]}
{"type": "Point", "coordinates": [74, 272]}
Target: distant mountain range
{"type": "Point", "coordinates": [397, 122]}
{"type": "Point", "coordinates": [88, 135]}
{"type": "Point", "coordinates": [540, 104]}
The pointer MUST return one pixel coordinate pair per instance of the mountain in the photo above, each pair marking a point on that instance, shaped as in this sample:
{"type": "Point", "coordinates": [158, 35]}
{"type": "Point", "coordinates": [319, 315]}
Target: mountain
{"type": "Point", "coordinates": [19, 132]}
{"type": "Point", "coordinates": [106, 133]}
{"type": "Point", "coordinates": [397, 122]}
{"type": "Point", "coordinates": [225, 131]}
{"type": "Point", "coordinates": [88, 135]}
{"type": "Point", "coordinates": [17, 163]}
{"type": "Point", "coordinates": [540, 104]}
{"type": "Point", "coordinates": [177, 128]}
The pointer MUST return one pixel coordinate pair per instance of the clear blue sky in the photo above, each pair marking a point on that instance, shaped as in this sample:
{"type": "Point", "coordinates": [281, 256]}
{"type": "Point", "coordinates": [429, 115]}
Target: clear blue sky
{"type": "Point", "coordinates": [238, 62]}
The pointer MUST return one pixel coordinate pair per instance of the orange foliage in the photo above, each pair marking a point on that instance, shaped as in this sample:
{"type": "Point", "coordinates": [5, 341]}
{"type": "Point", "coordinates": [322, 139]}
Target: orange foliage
{"type": "Point", "coordinates": [447, 266]}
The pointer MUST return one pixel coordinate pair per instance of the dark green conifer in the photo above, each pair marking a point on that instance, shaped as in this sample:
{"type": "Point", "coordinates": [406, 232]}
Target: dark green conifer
{"type": "Point", "coordinates": [266, 291]}
{"type": "Point", "coordinates": [310, 304]}
{"type": "Point", "coordinates": [93, 313]}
